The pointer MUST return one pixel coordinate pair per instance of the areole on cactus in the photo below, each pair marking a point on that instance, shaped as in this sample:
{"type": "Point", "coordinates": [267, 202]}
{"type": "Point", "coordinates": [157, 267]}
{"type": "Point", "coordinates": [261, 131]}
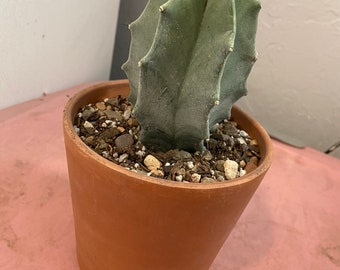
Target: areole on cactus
{"type": "Point", "coordinates": [189, 61]}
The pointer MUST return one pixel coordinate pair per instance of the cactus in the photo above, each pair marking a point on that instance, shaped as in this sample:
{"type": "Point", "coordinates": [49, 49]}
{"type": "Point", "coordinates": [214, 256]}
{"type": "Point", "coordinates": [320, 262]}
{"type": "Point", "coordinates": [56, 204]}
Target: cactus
{"type": "Point", "coordinates": [188, 63]}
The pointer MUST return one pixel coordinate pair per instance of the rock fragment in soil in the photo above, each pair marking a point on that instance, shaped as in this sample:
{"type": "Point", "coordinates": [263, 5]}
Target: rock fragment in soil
{"type": "Point", "coordinates": [220, 165]}
{"type": "Point", "coordinates": [242, 172]}
{"type": "Point", "coordinates": [100, 106]}
{"type": "Point", "coordinates": [88, 113]}
{"type": "Point", "coordinates": [89, 127]}
{"type": "Point", "coordinates": [124, 141]}
{"type": "Point", "coordinates": [123, 157]}
{"type": "Point", "coordinates": [207, 180]}
{"type": "Point", "coordinates": [230, 169]}
{"type": "Point", "coordinates": [152, 163]}
{"type": "Point", "coordinates": [110, 133]}
{"type": "Point", "coordinates": [113, 115]}
{"type": "Point", "coordinates": [195, 178]}
{"type": "Point", "coordinates": [176, 154]}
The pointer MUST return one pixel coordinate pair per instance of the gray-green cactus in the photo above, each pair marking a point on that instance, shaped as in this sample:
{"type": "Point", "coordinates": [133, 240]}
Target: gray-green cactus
{"type": "Point", "coordinates": [188, 63]}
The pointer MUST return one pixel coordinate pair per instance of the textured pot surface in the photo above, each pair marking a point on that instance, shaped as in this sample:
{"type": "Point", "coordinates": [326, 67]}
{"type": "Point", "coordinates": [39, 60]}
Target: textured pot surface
{"type": "Point", "coordinates": [124, 220]}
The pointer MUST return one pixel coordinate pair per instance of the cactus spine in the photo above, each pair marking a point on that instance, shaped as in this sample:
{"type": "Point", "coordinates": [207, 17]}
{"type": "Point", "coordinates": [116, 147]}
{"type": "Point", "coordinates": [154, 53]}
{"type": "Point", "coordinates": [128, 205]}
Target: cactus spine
{"type": "Point", "coordinates": [188, 63]}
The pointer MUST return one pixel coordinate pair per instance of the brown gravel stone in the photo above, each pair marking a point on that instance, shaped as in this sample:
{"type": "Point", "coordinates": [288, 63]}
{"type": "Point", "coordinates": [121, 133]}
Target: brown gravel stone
{"type": "Point", "coordinates": [220, 165]}
{"type": "Point", "coordinates": [207, 180]}
{"type": "Point", "coordinates": [88, 113]}
{"type": "Point", "coordinates": [124, 141]}
{"type": "Point", "coordinates": [100, 106]}
{"type": "Point", "coordinates": [242, 163]}
{"type": "Point", "coordinates": [109, 133]}
{"type": "Point", "coordinates": [253, 142]}
{"type": "Point", "coordinates": [112, 115]}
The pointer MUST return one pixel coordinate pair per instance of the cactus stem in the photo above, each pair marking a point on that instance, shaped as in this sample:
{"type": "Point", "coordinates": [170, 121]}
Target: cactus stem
{"type": "Point", "coordinates": [196, 89]}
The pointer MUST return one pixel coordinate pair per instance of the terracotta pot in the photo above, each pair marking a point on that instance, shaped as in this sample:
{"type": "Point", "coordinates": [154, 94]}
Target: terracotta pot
{"type": "Point", "coordinates": [124, 220]}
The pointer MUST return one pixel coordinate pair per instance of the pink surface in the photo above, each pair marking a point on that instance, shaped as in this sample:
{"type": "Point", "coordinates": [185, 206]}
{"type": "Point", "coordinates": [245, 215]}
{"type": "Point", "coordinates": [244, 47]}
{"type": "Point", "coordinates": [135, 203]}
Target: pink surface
{"type": "Point", "coordinates": [293, 221]}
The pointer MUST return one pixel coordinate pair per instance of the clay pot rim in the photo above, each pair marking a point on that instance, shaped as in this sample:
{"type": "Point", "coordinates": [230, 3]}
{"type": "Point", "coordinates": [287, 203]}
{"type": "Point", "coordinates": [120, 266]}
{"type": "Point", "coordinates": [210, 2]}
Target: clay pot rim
{"type": "Point", "coordinates": [68, 128]}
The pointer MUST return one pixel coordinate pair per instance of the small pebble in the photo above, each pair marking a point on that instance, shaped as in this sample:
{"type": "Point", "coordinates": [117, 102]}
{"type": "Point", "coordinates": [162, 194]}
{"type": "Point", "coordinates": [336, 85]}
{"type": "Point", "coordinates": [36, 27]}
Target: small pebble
{"type": "Point", "coordinates": [195, 178]}
{"type": "Point", "coordinates": [108, 122]}
{"type": "Point", "coordinates": [89, 127]}
{"type": "Point", "coordinates": [123, 157]}
{"type": "Point", "coordinates": [132, 122]}
{"type": "Point", "coordinates": [178, 154]}
{"type": "Point", "coordinates": [179, 178]}
{"type": "Point", "coordinates": [220, 178]}
{"type": "Point", "coordinates": [230, 169]}
{"type": "Point", "coordinates": [190, 165]}
{"type": "Point", "coordinates": [152, 163]}
{"type": "Point", "coordinates": [76, 129]}
{"type": "Point", "coordinates": [124, 141]}
{"type": "Point", "coordinates": [105, 154]}
{"type": "Point", "coordinates": [109, 133]}
{"type": "Point", "coordinates": [121, 129]}
{"type": "Point", "coordinates": [113, 115]}
{"type": "Point", "coordinates": [90, 140]}
{"type": "Point", "coordinates": [207, 155]}
{"type": "Point", "coordinates": [88, 113]}
{"type": "Point", "coordinates": [140, 153]}
{"type": "Point", "coordinates": [242, 163]}
{"type": "Point", "coordinates": [241, 140]}
{"type": "Point", "coordinates": [219, 173]}
{"type": "Point", "coordinates": [102, 145]}
{"type": "Point", "coordinates": [220, 165]}
{"type": "Point", "coordinates": [242, 172]}
{"type": "Point", "coordinates": [244, 134]}
{"type": "Point", "coordinates": [253, 142]}
{"type": "Point", "coordinates": [207, 180]}
{"type": "Point", "coordinates": [112, 101]}
{"type": "Point", "coordinates": [100, 106]}
{"type": "Point", "coordinates": [127, 114]}
{"type": "Point", "coordinates": [181, 171]}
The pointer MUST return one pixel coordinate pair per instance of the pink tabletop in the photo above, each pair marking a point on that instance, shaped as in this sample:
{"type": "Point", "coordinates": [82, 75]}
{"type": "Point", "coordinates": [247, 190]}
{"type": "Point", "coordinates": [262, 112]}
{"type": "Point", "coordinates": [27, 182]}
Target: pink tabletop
{"type": "Point", "coordinates": [292, 222]}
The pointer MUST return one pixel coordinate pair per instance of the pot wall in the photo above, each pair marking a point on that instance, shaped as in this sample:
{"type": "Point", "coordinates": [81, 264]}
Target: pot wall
{"type": "Point", "coordinates": [124, 220]}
